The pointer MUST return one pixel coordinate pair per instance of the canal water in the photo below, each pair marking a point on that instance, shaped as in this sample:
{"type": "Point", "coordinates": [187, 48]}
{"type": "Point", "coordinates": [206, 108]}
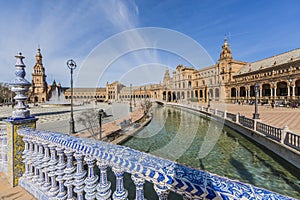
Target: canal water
{"type": "Point", "coordinates": [188, 138]}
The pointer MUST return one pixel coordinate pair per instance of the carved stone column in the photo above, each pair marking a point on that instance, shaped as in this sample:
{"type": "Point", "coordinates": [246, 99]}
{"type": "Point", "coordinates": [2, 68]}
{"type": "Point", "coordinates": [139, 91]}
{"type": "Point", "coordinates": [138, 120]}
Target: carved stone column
{"type": "Point", "coordinates": [293, 90]}
{"type": "Point", "coordinates": [69, 172]}
{"type": "Point", "coordinates": [91, 179]}
{"type": "Point", "coordinates": [79, 176]}
{"type": "Point", "coordinates": [271, 92]}
{"type": "Point", "coordinates": [139, 185]}
{"type": "Point", "coordinates": [260, 91]}
{"type": "Point", "coordinates": [162, 192]}
{"type": "Point", "coordinates": [120, 193]}
{"type": "Point", "coordinates": [104, 191]}
{"type": "Point", "coordinates": [60, 173]}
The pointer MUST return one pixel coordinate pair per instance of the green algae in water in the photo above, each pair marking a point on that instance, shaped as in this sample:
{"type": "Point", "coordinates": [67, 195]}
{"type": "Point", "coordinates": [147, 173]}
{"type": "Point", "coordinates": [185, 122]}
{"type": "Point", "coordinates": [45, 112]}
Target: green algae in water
{"type": "Point", "coordinates": [172, 130]}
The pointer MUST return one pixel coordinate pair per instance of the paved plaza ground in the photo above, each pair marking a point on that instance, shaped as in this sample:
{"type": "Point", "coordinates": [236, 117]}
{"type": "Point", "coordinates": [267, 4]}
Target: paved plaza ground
{"type": "Point", "coordinates": [278, 116]}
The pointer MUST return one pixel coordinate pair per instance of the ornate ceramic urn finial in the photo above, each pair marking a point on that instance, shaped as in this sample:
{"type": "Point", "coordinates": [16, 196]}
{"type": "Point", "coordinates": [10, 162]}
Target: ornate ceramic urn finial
{"type": "Point", "coordinates": [20, 86]}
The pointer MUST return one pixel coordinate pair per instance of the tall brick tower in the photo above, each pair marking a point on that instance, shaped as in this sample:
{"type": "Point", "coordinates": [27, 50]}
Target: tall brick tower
{"type": "Point", "coordinates": [39, 87]}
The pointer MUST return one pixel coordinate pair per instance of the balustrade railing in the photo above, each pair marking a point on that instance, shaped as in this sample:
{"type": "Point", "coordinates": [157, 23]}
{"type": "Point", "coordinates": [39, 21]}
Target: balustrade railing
{"type": "Point", "coordinates": [269, 131]}
{"type": "Point", "coordinates": [246, 122]}
{"type": "Point", "coordinates": [292, 140]}
{"type": "Point", "coordinates": [220, 113]}
{"type": "Point", "coordinates": [231, 116]}
{"type": "Point", "coordinates": [59, 166]}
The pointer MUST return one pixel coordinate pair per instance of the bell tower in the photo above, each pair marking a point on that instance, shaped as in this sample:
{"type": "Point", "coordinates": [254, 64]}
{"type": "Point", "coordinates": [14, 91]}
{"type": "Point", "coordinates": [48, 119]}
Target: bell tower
{"type": "Point", "coordinates": [39, 84]}
{"type": "Point", "coordinates": [224, 63]}
{"type": "Point", "coordinates": [167, 77]}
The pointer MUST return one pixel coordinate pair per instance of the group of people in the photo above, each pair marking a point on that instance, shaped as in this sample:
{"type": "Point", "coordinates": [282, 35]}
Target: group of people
{"type": "Point", "coordinates": [292, 104]}
{"type": "Point", "coordinates": [273, 104]}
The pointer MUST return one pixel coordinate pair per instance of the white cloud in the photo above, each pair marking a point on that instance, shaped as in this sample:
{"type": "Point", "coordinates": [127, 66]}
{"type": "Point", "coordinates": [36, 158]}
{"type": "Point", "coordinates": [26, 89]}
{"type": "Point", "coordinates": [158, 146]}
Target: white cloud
{"type": "Point", "coordinates": [63, 29]}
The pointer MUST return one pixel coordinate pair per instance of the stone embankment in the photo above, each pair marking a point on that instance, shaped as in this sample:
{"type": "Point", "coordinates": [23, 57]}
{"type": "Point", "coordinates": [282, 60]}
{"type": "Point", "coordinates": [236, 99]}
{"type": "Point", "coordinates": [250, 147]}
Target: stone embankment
{"type": "Point", "coordinates": [119, 130]}
{"type": "Point", "coordinates": [280, 141]}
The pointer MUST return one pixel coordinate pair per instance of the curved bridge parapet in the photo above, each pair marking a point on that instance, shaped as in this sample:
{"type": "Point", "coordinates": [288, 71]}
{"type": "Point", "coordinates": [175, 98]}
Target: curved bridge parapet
{"type": "Point", "coordinates": [55, 166]}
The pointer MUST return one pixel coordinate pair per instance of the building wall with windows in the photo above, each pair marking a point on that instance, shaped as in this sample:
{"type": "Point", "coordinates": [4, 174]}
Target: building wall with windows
{"type": "Point", "coordinates": [278, 78]}
{"type": "Point", "coordinates": [86, 94]}
{"type": "Point", "coordinates": [228, 80]}
{"type": "Point", "coordinates": [232, 81]}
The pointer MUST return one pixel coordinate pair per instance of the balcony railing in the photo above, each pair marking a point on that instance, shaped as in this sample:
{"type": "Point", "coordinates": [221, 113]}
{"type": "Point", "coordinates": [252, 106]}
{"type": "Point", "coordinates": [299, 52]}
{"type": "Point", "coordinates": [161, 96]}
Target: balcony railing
{"type": "Point", "coordinates": [59, 166]}
{"type": "Point", "coordinates": [292, 140]}
{"type": "Point", "coordinates": [246, 122]}
{"type": "Point", "coordinates": [231, 116]}
{"type": "Point", "coordinates": [270, 131]}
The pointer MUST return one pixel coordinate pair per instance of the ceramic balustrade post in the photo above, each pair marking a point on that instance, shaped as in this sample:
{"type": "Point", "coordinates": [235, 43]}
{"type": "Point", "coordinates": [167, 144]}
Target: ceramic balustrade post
{"type": "Point", "coordinates": [91, 179]}
{"type": "Point", "coordinates": [139, 185]}
{"type": "Point", "coordinates": [69, 172]}
{"type": "Point", "coordinates": [121, 193]}
{"type": "Point", "coordinates": [52, 172]}
{"type": "Point", "coordinates": [162, 192]}
{"type": "Point", "coordinates": [104, 191]}
{"type": "Point", "coordinates": [39, 164]}
{"type": "Point", "coordinates": [35, 161]}
{"type": "Point", "coordinates": [79, 176]}
{"type": "Point", "coordinates": [46, 186]}
{"type": "Point", "coordinates": [26, 158]}
{"type": "Point", "coordinates": [29, 158]}
{"type": "Point", "coordinates": [60, 173]}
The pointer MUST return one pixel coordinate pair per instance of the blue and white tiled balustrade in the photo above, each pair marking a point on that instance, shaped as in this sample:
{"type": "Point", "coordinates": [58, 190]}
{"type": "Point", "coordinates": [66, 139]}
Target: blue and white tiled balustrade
{"type": "Point", "coordinates": [59, 166]}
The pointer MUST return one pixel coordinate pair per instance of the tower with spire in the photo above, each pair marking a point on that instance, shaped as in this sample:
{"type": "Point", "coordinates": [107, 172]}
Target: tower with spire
{"type": "Point", "coordinates": [167, 77]}
{"type": "Point", "coordinates": [39, 87]}
{"type": "Point", "coordinates": [225, 63]}
{"type": "Point", "coordinates": [226, 52]}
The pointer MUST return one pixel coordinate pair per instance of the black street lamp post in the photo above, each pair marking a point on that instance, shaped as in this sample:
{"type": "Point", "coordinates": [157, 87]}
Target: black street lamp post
{"type": "Point", "coordinates": [208, 103]}
{"type": "Point", "coordinates": [256, 90]}
{"type": "Point", "coordinates": [100, 114]}
{"type": "Point", "coordinates": [71, 65]}
{"type": "Point", "coordinates": [130, 103]}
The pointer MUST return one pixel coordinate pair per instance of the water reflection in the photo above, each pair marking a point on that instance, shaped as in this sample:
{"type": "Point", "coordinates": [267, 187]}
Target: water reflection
{"type": "Point", "coordinates": [232, 156]}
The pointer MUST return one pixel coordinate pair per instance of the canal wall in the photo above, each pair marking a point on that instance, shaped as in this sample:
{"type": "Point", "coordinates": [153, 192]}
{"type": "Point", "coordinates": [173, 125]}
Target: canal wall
{"type": "Point", "coordinates": [276, 140]}
{"type": "Point", "coordinates": [285, 152]}
{"type": "Point", "coordinates": [130, 133]}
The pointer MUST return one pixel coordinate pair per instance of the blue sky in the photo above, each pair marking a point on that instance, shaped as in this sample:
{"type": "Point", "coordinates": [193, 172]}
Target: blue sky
{"type": "Point", "coordinates": [81, 29]}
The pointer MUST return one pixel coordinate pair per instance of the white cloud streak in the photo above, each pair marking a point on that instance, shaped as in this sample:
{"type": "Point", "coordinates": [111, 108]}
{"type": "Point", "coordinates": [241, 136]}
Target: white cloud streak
{"type": "Point", "coordinates": [63, 29]}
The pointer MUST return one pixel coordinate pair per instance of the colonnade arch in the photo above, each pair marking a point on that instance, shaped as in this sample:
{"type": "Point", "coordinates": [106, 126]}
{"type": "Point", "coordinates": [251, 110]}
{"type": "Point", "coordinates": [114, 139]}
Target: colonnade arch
{"type": "Point", "coordinates": [279, 90]}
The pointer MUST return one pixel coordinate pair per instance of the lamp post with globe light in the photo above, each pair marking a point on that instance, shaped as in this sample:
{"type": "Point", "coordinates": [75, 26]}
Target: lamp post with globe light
{"type": "Point", "coordinates": [71, 65]}
{"type": "Point", "coordinates": [100, 114]}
